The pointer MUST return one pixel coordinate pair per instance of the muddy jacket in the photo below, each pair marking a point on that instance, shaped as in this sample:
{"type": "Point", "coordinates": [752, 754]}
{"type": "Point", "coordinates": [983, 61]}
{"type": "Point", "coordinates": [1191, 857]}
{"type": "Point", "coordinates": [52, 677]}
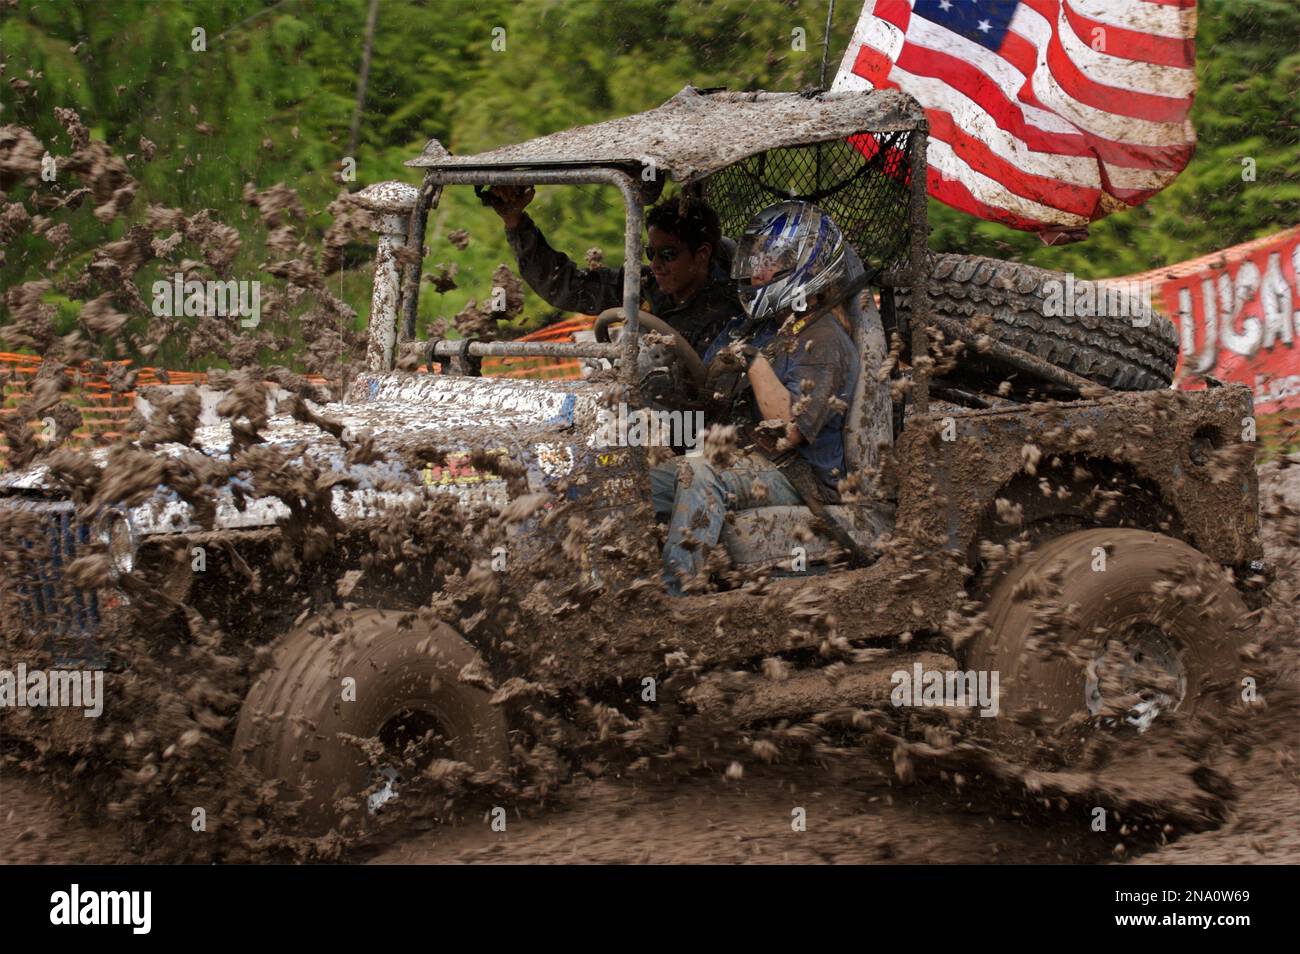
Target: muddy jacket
{"type": "Point", "coordinates": [820, 368]}
{"type": "Point", "coordinates": [591, 290]}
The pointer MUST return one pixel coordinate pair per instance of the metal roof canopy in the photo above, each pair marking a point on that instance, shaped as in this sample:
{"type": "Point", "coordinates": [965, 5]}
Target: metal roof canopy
{"type": "Point", "coordinates": [698, 132]}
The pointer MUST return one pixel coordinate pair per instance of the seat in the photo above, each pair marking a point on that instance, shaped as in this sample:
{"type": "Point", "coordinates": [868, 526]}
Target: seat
{"type": "Point", "coordinates": [765, 537]}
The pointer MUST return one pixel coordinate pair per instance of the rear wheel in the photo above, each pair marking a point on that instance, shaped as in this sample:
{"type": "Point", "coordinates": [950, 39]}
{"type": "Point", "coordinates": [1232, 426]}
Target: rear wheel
{"type": "Point", "coordinates": [1109, 635]}
{"type": "Point", "coordinates": [302, 724]}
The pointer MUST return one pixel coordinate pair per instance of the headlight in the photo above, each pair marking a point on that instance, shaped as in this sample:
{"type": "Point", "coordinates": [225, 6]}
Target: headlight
{"type": "Point", "coordinates": [117, 534]}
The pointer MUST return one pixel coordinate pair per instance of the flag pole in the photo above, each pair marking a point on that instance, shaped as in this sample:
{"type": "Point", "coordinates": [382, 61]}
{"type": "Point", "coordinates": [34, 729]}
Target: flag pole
{"type": "Point", "coordinates": [826, 52]}
{"type": "Point", "coordinates": [826, 41]}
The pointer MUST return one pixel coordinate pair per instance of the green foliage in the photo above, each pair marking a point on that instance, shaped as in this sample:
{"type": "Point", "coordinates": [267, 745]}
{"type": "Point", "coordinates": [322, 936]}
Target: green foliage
{"type": "Point", "coordinates": [277, 87]}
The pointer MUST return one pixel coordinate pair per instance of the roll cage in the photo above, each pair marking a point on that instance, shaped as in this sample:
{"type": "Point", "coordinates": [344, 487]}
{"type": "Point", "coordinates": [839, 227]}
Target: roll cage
{"type": "Point", "coordinates": [858, 154]}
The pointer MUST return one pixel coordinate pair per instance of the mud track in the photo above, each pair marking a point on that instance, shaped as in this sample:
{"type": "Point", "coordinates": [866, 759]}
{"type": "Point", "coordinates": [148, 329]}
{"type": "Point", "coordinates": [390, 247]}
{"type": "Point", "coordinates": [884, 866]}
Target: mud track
{"type": "Point", "coordinates": [859, 809]}
{"type": "Point", "coordinates": [929, 805]}
{"type": "Point", "coordinates": [857, 812]}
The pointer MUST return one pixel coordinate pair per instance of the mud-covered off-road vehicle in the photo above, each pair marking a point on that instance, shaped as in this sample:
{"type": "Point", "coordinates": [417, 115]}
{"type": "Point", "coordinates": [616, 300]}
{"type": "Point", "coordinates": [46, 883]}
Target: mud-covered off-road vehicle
{"type": "Point", "coordinates": [470, 566]}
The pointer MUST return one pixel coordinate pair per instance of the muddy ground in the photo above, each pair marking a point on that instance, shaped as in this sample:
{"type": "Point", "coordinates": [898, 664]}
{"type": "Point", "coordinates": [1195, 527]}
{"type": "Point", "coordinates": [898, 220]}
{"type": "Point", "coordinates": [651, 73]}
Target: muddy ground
{"type": "Point", "coordinates": [857, 809]}
{"type": "Point", "coordinates": [856, 817]}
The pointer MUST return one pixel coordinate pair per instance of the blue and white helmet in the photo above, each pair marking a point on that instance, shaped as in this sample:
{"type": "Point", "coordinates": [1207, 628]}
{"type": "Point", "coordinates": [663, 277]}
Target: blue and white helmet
{"type": "Point", "coordinates": [787, 254]}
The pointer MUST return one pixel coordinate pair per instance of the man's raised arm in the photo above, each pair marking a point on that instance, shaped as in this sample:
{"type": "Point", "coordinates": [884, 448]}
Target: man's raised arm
{"type": "Point", "coordinates": [549, 273]}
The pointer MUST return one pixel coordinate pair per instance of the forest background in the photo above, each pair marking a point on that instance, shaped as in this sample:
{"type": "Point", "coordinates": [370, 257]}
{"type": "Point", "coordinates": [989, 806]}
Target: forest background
{"type": "Point", "coordinates": [273, 98]}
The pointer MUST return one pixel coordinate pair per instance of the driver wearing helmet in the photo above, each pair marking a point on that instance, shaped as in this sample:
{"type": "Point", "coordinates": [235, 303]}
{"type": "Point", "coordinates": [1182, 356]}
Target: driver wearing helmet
{"type": "Point", "coordinates": [792, 261]}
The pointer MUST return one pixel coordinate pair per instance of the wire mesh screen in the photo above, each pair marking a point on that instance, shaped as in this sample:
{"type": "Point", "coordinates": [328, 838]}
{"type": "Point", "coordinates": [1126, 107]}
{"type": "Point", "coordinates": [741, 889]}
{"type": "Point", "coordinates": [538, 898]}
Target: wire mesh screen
{"type": "Point", "coordinates": [862, 183]}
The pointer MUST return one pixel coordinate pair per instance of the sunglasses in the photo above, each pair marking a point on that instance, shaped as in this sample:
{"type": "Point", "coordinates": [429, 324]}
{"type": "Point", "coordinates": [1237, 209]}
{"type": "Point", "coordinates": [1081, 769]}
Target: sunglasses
{"type": "Point", "coordinates": [665, 252]}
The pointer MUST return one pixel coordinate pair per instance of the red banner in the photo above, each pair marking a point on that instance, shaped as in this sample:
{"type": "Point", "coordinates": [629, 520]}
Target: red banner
{"type": "Point", "coordinates": [1238, 317]}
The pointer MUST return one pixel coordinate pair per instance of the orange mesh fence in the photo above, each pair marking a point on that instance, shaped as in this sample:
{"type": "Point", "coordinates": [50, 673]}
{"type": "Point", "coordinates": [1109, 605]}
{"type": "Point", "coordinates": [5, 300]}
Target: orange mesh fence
{"type": "Point", "coordinates": [544, 369]}
{"type": "Point", "coordinates": [104, 412]}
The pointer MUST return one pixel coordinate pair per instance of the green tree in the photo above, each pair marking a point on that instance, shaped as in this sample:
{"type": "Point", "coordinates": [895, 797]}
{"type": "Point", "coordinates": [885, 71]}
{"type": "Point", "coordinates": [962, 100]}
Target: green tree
{"type": "Point", "coordinates": [271, 97]}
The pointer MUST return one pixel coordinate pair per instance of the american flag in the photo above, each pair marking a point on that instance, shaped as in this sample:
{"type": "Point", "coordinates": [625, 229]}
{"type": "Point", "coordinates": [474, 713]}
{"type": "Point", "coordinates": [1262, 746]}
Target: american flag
{"type": "Point", "coordinates": [1044, 114]}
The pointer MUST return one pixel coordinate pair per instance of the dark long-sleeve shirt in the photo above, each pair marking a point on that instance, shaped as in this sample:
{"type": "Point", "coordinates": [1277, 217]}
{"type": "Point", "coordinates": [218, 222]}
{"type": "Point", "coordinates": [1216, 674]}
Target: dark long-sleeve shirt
{"type": "Point", "coordinates": [591, 290]}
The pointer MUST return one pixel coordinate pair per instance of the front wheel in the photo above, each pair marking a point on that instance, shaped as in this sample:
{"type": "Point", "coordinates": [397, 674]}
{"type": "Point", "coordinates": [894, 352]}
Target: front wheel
{"type": "Point", "coordinates": [313, 719]}
{"type": "Point", "coordinates": [1110, 632]}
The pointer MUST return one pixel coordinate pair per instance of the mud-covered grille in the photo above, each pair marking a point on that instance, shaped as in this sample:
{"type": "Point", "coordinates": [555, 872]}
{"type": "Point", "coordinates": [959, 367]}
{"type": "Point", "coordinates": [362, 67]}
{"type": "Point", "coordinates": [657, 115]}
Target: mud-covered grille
{"type": "Point", "coordinates": [41, 539]}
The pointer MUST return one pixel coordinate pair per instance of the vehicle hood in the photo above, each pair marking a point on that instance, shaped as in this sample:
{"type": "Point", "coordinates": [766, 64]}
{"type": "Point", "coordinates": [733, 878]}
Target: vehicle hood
{"type": "Point", "coordinates": [545, 427]}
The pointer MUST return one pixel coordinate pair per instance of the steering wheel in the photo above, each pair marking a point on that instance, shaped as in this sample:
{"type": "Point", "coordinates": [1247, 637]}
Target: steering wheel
{"type": "Point", "coordinates": [681, 347]}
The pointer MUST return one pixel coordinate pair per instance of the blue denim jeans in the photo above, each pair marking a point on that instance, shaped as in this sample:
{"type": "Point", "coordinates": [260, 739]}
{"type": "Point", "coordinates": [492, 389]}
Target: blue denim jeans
{"type": "Point", "coordinates": [694, 497]}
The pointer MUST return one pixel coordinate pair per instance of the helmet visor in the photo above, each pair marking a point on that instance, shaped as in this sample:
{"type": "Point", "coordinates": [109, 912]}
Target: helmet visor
{"type": "Point", "coordinates": [757, 265]}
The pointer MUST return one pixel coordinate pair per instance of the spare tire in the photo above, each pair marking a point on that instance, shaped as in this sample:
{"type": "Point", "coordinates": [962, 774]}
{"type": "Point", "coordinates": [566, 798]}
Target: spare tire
{"type": "Point", "coordinates": [1109, 349]}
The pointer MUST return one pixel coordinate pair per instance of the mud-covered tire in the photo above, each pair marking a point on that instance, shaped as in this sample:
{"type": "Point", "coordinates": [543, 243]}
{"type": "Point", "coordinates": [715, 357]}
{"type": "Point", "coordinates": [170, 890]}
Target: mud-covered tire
{"type": "Point", "coordinates": [292, 719]}
{"type": "Point", "coordinates": [1046, 614]}
{"type": "Point", "coordinates": [1108, 350]}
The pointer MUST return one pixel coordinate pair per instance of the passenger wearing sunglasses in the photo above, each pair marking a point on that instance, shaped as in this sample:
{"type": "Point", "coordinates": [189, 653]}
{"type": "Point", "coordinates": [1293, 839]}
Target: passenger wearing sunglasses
{"type": "Point", "coordinates": [686, 282]}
